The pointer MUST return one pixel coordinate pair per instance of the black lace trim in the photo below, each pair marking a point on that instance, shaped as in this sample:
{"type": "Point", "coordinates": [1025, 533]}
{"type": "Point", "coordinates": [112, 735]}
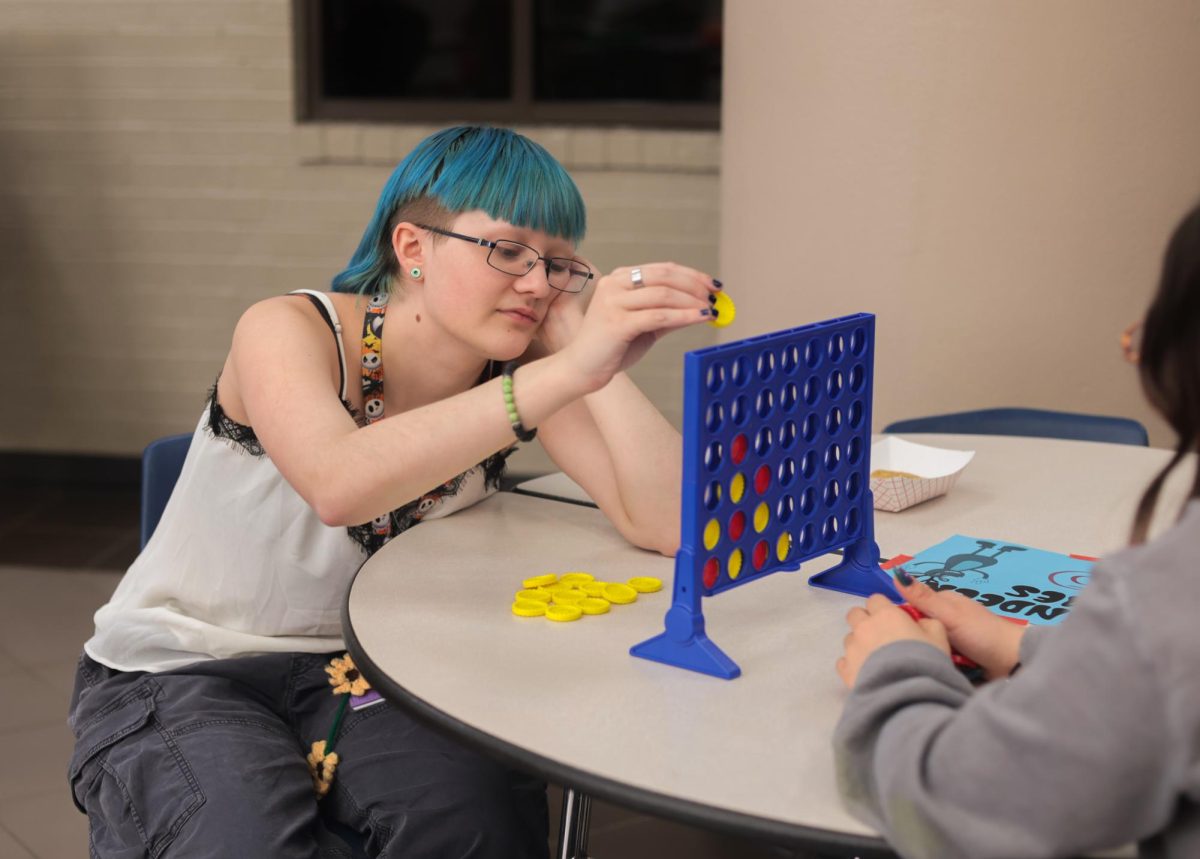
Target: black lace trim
{"type": "Point", "coordinates": [368, 536]}
{"type": "Point", "coordinates": [220, 425]}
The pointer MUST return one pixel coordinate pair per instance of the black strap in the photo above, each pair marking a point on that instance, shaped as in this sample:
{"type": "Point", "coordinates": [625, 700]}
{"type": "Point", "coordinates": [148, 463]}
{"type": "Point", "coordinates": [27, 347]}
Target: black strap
{"type": "Point", "coordinates": [337, 341]}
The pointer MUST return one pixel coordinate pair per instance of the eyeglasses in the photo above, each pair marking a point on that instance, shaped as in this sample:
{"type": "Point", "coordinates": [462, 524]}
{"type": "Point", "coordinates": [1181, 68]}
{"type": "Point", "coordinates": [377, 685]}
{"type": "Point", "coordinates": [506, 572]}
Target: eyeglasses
{"type": "Point", "coordinates": [565, 275]}
{"type": "Point", "coordinates": [1131, 343]}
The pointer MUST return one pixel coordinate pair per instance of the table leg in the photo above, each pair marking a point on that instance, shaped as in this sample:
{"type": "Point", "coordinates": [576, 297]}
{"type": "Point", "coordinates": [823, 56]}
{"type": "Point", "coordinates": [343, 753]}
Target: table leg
{"type": "Point", "coordinates": [573, 827]}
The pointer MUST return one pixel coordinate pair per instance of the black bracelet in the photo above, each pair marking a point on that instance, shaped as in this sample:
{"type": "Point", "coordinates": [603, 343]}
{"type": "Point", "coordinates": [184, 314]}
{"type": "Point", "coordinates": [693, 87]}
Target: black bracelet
{"type": "Point", "coordinates": [510, 405]}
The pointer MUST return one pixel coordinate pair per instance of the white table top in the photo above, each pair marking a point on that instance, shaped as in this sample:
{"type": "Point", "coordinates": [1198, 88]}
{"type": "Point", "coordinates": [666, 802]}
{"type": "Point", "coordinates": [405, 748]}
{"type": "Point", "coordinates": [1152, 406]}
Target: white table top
{"type": "Point", "coordinates": [429, 618]}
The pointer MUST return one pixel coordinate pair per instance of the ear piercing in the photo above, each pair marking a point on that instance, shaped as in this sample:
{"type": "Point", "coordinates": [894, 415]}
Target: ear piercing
{"type": "Point", "coordinates": [415, 272]}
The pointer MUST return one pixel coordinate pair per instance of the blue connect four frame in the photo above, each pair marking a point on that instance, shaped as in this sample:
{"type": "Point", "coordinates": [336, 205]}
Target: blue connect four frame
{"type": "Point", "coordinates": [776, 464]}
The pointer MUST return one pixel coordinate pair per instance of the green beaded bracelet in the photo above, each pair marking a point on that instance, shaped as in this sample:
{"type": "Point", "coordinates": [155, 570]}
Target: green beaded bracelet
{"type": "Point", "coordinates": [510, 405]}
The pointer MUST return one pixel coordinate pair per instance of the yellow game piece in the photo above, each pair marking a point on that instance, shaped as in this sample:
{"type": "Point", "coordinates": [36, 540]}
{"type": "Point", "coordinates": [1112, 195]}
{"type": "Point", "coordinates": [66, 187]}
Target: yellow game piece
{"type": "Point", "coordinates": [533, 594]}
{"type": "Point", "coordinates": [559, 586]}
{"type": "Point", "coordinates": [725, 311]}
{"type": "Point", "coordinates": [712, 533]}
{"type": "Point", "coordinates": [540, 581]}
{"type": "Point", "coordinates": [737, 488]}
{"type": "Point", "coordinates": [619, 593]}
{"type": "Point", "coordinates": [593, 589]}
{"type": "Point", "coordinates": [886, 474]}
{"type": "Point", "coordinates": [784, 547]}
{"type": "Point", "coordinates": [735, 564]}
{"type": "Point", "coordinates": [576, 578]}
{"type": "Point", "coordinates": [529, 608]}
{"type": "Point", "coordinates": [569, 597]}
{"type": "Point", "coordinates": [563, 613]}
{"type": "Point", "coordinates": [645, 584]}
{"type": "Point", "coordinates": [593, 605]}
{"type": "Point", "coordinates": [762, 515]}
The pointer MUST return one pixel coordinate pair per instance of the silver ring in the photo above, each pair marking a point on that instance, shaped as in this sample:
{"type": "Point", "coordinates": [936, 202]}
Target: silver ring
{"type": "Point", "coordinates": [636, 277]}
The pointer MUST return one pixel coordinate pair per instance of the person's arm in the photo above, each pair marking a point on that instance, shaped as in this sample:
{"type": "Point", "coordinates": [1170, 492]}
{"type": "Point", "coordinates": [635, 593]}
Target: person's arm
{"type": "Point", "coordinates": [1072, 754]}
{"type": "Point", "coordinates": [282, 367]}
{"type": "Point", "coordinates": [285, 373]}
{"type": "Point", "coordinates": [618, 446]}
{"type": "Point", "coordinates": [614, 442]}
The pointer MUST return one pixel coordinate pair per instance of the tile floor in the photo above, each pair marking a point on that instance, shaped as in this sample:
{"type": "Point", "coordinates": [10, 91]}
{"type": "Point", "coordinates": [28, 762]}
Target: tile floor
{"type": "Point", "coordinates": [61, 553]}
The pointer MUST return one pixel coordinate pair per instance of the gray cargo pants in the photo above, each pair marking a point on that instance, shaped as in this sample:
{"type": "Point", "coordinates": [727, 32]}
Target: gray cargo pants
{"type": "Point", "coordinates": [209, 761]}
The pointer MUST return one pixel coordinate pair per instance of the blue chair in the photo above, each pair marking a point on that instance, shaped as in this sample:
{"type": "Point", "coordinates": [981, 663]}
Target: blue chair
{"type": "Point", "coordinates": [162, 460]}
{"type": "Point", "coordinates": [1029, 422]}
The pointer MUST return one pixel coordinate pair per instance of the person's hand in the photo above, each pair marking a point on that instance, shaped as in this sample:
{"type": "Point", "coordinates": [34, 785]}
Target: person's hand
{"type": "Point", "coordinates": [562, 321]}
{"type": "Point", "coordinates": [624, 319]}
{"type": "Point", "coordinates": [988, 639]}
{"type": "Point", "coordinates": [881, 622]}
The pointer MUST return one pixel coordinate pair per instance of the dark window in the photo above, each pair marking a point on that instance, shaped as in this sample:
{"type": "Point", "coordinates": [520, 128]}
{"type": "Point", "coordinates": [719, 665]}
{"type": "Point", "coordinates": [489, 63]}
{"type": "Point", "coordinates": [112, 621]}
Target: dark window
{"type": "Point", "coordinates": [641, 62]}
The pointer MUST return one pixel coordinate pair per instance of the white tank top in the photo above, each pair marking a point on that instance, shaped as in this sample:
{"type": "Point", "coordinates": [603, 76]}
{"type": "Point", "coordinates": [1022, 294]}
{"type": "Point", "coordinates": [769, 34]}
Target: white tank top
{"type": "Point", "coordinates": [240, 564]}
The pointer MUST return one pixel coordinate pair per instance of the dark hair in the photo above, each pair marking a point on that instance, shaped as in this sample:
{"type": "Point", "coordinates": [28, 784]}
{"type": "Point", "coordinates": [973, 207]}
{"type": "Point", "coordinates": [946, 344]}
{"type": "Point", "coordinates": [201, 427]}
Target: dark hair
{"type": "Point", "coordinates": [1169, 362]}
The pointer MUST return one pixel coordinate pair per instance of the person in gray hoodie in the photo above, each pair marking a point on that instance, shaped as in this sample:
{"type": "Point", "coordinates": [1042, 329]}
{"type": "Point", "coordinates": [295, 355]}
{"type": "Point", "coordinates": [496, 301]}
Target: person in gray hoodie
{"type": "Point", "coordinates": [1086, 735]}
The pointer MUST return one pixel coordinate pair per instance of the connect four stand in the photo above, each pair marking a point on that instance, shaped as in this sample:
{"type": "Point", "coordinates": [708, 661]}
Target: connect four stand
{"type": "Point", "coordinates": [776, 458]}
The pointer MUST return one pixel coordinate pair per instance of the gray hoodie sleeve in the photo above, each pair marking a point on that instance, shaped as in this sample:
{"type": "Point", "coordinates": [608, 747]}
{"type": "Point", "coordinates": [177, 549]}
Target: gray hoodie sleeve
{"type": "Point", "coordinates": [1067, 756]}
{"type": "Point", "coordinates": [1031, 641]}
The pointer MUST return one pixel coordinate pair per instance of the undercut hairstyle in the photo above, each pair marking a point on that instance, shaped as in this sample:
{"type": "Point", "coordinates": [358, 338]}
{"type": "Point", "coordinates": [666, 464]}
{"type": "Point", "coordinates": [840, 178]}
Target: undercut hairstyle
{"type": "Point", "coordinates": [458, 170]}
{"type": "Point", "coordinates": [1169, 362]}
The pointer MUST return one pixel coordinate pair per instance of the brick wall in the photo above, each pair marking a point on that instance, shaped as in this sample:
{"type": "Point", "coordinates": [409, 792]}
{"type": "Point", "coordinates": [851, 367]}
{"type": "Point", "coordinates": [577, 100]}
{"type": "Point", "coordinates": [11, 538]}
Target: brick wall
{"type": "Point", "coordinates": [153, 184]}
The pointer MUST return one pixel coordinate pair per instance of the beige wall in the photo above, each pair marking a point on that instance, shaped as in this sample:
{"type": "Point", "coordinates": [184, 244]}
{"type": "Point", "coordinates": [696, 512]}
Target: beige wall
{"type": "Point", "coordinates": [994, 180]}
{"type": "Point", "coordinates": [153, 184]}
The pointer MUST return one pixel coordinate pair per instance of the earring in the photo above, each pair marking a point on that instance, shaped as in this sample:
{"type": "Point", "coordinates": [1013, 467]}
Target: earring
{"type": "Point", "coordinates": [415, 272]}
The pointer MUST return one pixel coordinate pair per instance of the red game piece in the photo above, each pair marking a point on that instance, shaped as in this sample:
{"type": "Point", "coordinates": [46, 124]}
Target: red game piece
{"type": "Point", "coordinates": [760, 554]}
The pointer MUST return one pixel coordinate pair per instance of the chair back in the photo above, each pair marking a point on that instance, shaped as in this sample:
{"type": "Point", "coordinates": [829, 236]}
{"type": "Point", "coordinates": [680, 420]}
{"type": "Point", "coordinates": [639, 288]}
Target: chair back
{"type": "Point", "coordinates": [1029, 422]}
{"type": "Point", "coordinates": [162, 460]}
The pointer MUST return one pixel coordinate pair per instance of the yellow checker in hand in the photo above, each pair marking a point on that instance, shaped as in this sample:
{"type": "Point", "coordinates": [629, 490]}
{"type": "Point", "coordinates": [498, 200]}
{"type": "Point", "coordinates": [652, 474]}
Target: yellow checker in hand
{"type": "Point", "coordinates": [533, 594]}
{"type": "Point", "coordinates": [645, 584]}
{"type": "Point", "coordinates": [529, 608]}
{"type": "Point", "coordinates": [619, 593]}
{"type": "Point", "coordinates": [725, 311]}
{"type": "Point", "coordinates": [593, 605]}
{"type": "Point", "coordinates": [540, 581]}
{"type": "Point", "coordinates": [563, 613]}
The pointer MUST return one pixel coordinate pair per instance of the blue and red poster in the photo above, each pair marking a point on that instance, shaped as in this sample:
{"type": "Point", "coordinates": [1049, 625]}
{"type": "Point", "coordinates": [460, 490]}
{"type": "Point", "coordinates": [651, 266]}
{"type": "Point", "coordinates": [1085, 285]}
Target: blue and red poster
{"type": "Point", "coordinates": [1012, 580]}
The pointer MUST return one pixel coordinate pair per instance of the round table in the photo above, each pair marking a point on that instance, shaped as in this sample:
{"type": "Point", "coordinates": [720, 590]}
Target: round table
{"type": "Point", "coordinates": [428, 620]}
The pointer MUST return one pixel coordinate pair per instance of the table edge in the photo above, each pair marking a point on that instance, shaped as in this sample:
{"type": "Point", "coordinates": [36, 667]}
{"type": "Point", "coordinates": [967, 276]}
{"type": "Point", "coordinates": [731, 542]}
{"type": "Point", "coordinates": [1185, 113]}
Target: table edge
{"type": "Point", "coordinates": [630, 796]}
{"type": "Point", "coordinates": [547, 497]}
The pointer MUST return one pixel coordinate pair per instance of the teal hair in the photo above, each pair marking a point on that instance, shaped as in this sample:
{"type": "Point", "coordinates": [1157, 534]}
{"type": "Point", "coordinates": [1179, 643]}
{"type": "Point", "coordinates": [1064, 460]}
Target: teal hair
{"type": "Point", "coordinates": [461, 169]}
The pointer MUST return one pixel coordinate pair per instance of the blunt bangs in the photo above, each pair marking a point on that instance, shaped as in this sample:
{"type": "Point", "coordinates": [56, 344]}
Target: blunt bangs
{"type": "Point", "coordinates": [512, 179]}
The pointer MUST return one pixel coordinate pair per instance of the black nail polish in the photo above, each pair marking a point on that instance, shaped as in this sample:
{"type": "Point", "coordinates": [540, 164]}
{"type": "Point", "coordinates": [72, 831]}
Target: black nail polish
{"type": "Point", "coordinates": [712, 299]}
{"type": "Point", "coordinates": [707, 312]}
{"type": "Point", "coordinates": [716, 313]}
{"type": "Point", "coordinates": [902, 577]}
{"type": "Point", "coordinates": [718, 284]}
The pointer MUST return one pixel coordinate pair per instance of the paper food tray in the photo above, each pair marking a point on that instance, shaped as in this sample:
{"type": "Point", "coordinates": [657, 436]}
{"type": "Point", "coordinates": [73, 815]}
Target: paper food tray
{"type": "Point", "coordinates": [938, 470]}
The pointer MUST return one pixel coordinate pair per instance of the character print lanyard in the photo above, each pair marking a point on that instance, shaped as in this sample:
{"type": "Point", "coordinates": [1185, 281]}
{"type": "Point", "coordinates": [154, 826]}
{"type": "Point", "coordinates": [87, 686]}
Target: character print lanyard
{"type": "Point", "coordinates": [372, 380]}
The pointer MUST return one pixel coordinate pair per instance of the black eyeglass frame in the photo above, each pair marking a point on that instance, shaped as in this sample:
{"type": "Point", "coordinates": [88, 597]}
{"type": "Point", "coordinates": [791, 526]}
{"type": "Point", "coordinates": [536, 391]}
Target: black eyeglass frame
{"type": "Point", "coordinates": [491, 246]}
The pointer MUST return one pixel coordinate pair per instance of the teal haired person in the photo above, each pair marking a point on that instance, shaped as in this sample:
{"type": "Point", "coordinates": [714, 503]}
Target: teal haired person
{"type": "Point", "coordinates": [215, 712]}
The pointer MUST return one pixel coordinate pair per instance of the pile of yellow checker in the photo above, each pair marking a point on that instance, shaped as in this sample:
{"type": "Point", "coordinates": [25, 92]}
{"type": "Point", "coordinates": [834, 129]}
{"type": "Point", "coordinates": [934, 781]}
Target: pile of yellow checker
{"type": "Point", "coordinates": [572, 595]}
